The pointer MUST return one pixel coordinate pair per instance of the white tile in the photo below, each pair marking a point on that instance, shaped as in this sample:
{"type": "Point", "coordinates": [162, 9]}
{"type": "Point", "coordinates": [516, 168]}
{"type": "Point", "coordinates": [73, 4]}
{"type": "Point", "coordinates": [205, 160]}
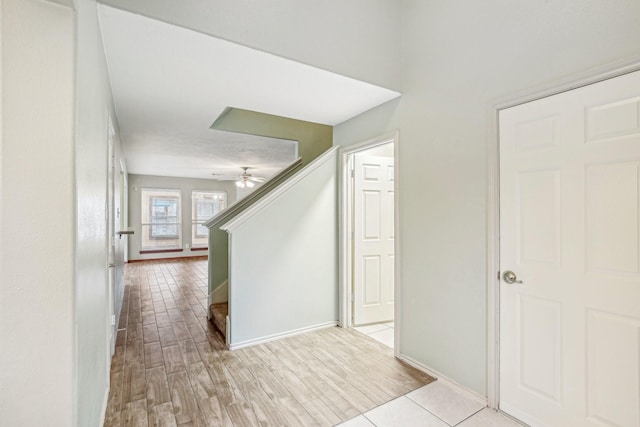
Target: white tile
{"type": "Point", "coordinates": [445, 402]}
{"type": "Point", "coordinates": [369, 329]}
{"type": "Point", "coordinates": [402, 412]}
{"type": "Point", "coordinates": [359, 421]}
{"type": "Point", "coordinates": [488, 418]}
{"type": "Point", "coordinates": [385, 336]}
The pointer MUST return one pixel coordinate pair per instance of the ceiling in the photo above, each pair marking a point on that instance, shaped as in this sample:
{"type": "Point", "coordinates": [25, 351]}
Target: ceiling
{"type": "Point", "coordinates": [170, 84]}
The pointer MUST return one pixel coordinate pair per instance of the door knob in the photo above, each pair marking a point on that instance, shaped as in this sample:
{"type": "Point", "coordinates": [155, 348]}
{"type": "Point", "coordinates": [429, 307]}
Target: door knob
{"type": "Point", "coordinates": [510, 277]}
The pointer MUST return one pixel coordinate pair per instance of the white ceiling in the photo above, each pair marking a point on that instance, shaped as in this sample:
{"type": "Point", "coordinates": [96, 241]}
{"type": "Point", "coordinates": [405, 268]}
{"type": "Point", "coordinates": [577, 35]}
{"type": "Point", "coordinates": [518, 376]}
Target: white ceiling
{"type": "Point", "coordinates": [170, 84]}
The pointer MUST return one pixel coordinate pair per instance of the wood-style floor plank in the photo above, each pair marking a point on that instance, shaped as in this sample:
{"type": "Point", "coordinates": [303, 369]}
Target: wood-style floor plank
{"type": "Point", "coordinates": [189, 351]}
{"type": "Point", "coordinates": [167, 336]}
{"type": "Point", "coordinates": [171, 367]}
{"type": "Point", "coordinates": [173, 359]}
{"type": "Point", "coordinates": [213, 413]}
{"type": "Point", "coordinates": [153, 355]}
{"type": "Point", "coordinates": [185, 406]}
{"type": "Point", "coordinates": [321, 413]}
{"type": "Point", "coordinates": [134, 383]}
{"type": "Point", "coordinates": [162, 416]}
{"type": "Point", "coordinates": [157, 387]}
{"type": "Point", "coordinates": [150, 333]}
{"type": "Point", "coordinates": [201, 382]}
{"type": "Point", "coordinates": [241, 414]}
{"type": "Point", "coordinates": [134, 353]}
{"type": "Point", "coordinates": [263, 407]}
{"type": "Point", "coordinates": [135, 414]}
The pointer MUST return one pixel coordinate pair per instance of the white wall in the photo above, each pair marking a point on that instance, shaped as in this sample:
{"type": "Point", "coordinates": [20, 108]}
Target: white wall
{"type": "Point", "coordinates": [93, 108]}
{"type": "Point", "coordinates": [186, 185]}
{"type": "Point", "coordinates": [283, 259]}
{"type": "Point", "coordinates": [37, 214]}
{"type": "Point", "coordinates": [358, 38]}
{"type": "Point", "coordinates": [459, 57]}
{"type": "Point", "coordinates": [53, 299]}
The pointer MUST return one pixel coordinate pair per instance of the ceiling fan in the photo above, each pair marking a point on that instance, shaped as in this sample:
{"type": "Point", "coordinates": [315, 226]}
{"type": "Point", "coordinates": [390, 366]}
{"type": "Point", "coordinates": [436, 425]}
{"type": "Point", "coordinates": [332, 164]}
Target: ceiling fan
{"type": "Point", "coordinates": [244, 180]}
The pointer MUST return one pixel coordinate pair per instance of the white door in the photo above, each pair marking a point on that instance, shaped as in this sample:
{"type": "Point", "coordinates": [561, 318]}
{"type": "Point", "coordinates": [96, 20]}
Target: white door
{"type": "Point", "coordinates": [373, 248]}
{"type": "Point", "coordinates": [569, 230]}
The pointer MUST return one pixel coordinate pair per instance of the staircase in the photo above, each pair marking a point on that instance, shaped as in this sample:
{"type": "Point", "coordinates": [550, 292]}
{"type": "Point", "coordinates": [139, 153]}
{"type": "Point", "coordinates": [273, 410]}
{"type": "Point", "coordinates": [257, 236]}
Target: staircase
{"type": "Point", "coordinates": [219, 245]}
{"type": "Point", "coordinates": [297, 209]}
{"type": "Point", "coordinates": [219, 312]}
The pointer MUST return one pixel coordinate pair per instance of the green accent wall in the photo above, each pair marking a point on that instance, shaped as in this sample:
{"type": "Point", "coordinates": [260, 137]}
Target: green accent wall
{"type": "Point", "coordinates": [313, 138]}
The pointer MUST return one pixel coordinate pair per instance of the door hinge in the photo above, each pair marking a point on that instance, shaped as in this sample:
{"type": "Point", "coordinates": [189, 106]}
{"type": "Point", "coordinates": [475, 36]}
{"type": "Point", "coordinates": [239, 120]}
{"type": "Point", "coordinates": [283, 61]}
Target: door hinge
{"type": "Point", "coordinates": [498, 275]}
{"type": "Point", "coordinates": [113, 320]}
{"type": "Point", "coordinates": [353, 173]}
{"type": "Point", "coordinates": [353, 235]}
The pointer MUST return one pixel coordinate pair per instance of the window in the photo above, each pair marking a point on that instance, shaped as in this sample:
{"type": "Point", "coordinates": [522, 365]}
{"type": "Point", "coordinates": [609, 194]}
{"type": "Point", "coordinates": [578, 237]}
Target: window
{"type": "Point", "coordinates": [161, 223]}
{"type": "Point", "coordinates": [205, 204]}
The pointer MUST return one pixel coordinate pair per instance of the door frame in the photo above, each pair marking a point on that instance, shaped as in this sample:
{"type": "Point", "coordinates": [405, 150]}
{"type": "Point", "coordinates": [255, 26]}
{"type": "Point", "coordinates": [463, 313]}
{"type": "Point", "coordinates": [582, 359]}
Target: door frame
{"type": "Point", "coordinates": [588, 77]}
{"type": "Point", "coordinates": [345, 245]}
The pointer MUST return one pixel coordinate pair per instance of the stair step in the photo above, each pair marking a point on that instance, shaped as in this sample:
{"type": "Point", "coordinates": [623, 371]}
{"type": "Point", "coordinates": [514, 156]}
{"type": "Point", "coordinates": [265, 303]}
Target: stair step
{"type": "Point", "coordinates": [219, 312]}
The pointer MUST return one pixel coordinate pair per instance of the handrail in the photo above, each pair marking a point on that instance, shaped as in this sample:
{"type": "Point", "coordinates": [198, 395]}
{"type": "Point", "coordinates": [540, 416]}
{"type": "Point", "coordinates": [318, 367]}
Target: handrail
{"type": "Point", "coordinates": [289, 183]}
{"type": "Point", "coordinates": [235, 208]}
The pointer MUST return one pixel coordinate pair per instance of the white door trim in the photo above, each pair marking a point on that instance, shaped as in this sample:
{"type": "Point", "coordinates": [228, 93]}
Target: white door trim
{"type": "Point", "coordinates": [344, 230]}
{"type": "Point", "coordinates": [595, 75]}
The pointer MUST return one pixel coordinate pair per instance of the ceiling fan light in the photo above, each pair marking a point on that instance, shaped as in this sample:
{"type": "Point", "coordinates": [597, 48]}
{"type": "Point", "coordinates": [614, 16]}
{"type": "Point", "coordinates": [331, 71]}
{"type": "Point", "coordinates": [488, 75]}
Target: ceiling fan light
{"type": "Point", "coordinates": [240, 184]}
{"type": "Point", "coordinates": [249, 184]}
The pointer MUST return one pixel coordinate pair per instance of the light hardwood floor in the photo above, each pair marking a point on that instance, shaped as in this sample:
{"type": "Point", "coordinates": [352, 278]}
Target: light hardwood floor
{"type": "Point", "coordinates": [171, 368]}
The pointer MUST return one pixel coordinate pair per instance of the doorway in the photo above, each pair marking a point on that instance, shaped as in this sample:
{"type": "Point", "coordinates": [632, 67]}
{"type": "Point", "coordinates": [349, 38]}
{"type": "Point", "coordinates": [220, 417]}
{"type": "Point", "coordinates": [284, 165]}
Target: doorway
{"type": "Point", "coordinates": [569, 263]}
{"type": "Point", "coordinates": [368, 234]}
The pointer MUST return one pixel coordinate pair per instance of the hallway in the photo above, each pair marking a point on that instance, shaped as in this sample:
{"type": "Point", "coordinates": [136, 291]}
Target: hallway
{"type": "Point", "coordinates": [171, 368]}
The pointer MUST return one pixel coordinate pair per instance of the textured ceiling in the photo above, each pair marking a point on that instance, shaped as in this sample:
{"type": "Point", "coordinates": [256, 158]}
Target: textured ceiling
{"type": "Point", "coordinates": [170, 84]}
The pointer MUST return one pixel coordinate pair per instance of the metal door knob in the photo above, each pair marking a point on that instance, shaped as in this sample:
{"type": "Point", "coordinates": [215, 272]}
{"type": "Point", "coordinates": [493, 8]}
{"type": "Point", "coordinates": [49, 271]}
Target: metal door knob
{"type": "Point", "coordinates": [510, 277]}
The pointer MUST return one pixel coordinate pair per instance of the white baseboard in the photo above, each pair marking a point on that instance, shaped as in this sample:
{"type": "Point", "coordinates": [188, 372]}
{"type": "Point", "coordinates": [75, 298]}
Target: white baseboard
{"type": "Point", "coordinates": [105, 402]}
{"type": "Point", "coordinates": [227, 331]}
{"type": "Point", "coordinates": [442, 378]}
{"type": "Point", "coordinates": [281, 335]}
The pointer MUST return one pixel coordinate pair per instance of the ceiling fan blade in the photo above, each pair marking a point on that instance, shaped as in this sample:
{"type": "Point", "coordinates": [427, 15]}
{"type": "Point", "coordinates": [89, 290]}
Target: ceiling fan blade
{"type": "Point", "coordinates": [256, 179]}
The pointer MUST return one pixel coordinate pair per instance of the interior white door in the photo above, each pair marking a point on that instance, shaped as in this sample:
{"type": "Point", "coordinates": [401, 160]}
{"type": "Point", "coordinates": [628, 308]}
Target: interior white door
{"type": "Point", "coordinates": [569, 230]}
{"type": "Point", "coordinates": [373, 247]}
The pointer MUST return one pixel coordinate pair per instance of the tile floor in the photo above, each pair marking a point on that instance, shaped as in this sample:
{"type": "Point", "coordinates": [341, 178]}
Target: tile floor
{"type": "Point", "coordinates": [434, 405]}
{"type": "Point", "coordinates": [171, 367]}
{"type": "Point", "coordinates": [382, 332]}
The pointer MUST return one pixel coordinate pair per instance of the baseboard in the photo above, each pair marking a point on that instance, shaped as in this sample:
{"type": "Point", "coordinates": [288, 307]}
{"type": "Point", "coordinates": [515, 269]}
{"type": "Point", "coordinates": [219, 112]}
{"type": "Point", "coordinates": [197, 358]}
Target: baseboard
{"type": "Point", "coordinates": [442, 378]}
{"type": "Point", "coordinates": [227, 332]}
{"type": "Point", "coordinates": [178, 258]}
{"type": "Point", "coordinates": [105, 402]}
{"type": "Point", "coordinates": [281, 335]}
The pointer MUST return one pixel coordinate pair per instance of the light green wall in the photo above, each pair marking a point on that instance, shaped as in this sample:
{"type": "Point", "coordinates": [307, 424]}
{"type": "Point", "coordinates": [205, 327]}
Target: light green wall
{"type": "Point", "coordinates": [185, 185]}
{"type": "Point", "coordinates": [313, 138]}
{"type": "Point", "coordinates": [459, 57]}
